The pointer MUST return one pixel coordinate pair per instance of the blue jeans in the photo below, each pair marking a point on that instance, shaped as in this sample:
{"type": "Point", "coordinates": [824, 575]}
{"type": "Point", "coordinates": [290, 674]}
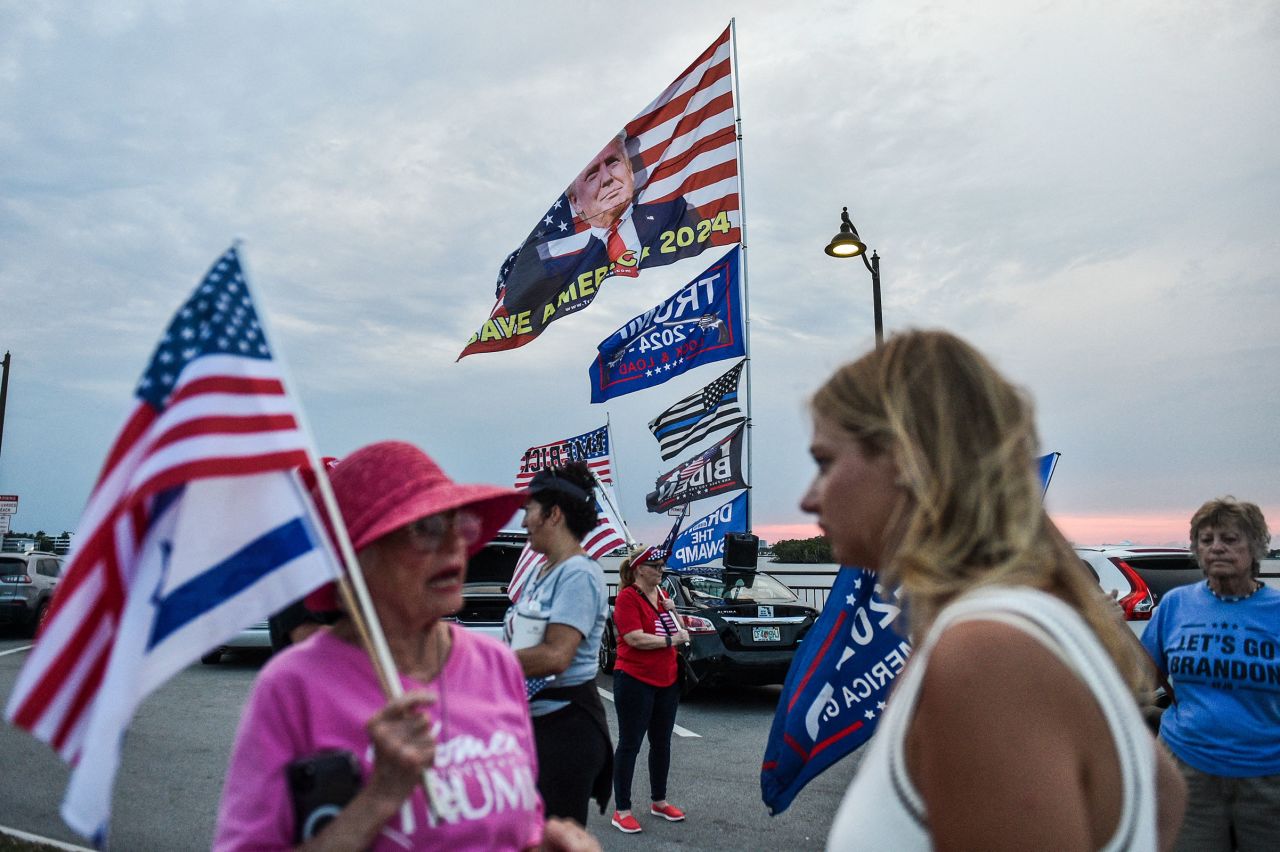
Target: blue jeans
{"type": "Point", "coordinates": [642, 709]}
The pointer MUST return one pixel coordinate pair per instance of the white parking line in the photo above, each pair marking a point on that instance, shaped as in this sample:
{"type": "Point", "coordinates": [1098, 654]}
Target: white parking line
{"type": "Point", "coordinates": [35, 838]}
{"type": "Point", "coordinates": [679, 731]}
{"type": "Point", "coordinates": [16, 651]}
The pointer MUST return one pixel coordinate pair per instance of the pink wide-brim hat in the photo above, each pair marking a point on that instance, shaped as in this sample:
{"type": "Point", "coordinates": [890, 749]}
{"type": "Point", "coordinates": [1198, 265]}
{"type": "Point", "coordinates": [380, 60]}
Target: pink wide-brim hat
{"type": "Point", "coordinates": [382, 487]}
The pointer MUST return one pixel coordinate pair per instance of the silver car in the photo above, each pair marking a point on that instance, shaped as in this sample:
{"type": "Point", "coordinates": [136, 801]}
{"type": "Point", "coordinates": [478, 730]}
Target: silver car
{"type": "Point", "coordinates": [27, 581]}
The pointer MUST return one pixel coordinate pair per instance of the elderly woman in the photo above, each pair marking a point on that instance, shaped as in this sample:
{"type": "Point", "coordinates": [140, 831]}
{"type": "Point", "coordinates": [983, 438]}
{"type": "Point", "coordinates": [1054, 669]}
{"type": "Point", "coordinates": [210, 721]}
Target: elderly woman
{"type": "Point", "coordinates": [645, 688]}
{"type": "Point", "coordinates": [317, 723]}
{"type": "Point", "coordinates": [1015, 724]}
{"type": "Point", "coordinates": [568, 595]}
{"type": "Point", "coordinates": [1219, 643]}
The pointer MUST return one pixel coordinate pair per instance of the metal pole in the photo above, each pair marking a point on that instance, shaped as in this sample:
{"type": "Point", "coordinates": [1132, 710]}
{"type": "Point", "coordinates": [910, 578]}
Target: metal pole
{"type": "Point", "coordinates": [4, 395]}
{"type": "Point", "coordinates": [742, 237]}
{"type": "Point", "coordinates": [874, 267]}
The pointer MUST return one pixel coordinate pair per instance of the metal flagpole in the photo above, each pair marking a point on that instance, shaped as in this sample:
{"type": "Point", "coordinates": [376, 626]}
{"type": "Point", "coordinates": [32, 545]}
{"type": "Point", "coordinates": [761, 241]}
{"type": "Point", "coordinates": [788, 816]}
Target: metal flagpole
{"type": "Point", "coordinates": [351, 585]}
{"type": "Point", "coordinates": [742, 239]}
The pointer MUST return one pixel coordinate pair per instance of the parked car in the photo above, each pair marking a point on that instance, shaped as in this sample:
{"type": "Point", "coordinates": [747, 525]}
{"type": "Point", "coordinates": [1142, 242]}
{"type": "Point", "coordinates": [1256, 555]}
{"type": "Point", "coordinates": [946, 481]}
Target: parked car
{"type": "Point", "coordinates": [744, 626]}
{"type": "Point", "coordinates": [27, 581]}
{"type": "Point", "coordinates": [255, 637]}
{"type": "Point", "coordinates": [484, 594]}
{"type": "Point", "coordinates": [1138, 577]}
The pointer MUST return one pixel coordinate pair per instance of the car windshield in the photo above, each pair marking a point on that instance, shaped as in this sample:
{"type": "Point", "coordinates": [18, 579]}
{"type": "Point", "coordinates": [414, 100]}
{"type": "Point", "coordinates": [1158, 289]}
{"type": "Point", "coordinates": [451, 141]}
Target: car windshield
{"type": "Point", "coordinates": [738, 587]}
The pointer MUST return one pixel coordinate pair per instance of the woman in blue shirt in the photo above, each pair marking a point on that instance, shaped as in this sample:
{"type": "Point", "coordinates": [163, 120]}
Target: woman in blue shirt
{"type": "Point", "coordinates": [1218, 642]}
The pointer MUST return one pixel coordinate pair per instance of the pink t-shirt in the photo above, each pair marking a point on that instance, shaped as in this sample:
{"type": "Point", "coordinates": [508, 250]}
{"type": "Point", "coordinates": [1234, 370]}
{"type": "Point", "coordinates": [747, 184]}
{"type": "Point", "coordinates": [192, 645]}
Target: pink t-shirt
{"type": "Point", "coordinates": [319, 694]}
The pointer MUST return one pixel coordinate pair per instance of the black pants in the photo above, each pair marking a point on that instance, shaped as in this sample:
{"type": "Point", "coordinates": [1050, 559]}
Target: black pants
{"type": "Point", "coordinates": [572, 751]}
{"type": "Point", "coordinates": [642, 709]}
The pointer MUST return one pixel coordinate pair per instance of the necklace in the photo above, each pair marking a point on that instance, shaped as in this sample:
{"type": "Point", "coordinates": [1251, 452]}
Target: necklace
{"type": "Point", "coordinates": [1233, 598]}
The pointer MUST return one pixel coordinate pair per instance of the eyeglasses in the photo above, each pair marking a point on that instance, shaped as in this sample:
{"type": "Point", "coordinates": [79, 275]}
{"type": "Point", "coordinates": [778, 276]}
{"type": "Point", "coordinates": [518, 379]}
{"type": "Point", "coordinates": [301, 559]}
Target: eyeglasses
{"type": "Point", "coordinates": [429, 534]}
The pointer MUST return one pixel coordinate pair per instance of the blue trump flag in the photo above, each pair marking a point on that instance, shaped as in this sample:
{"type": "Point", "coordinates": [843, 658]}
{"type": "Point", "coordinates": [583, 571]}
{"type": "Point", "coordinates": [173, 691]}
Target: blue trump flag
{"type": "Point", "coordinates": [700, 324]}
{"type": "Point", "coordinates": [839, 681]}
{"type": "Point", "coordinates": [836, 689]}
{"type": "Point", "coordinates": [703, 540]}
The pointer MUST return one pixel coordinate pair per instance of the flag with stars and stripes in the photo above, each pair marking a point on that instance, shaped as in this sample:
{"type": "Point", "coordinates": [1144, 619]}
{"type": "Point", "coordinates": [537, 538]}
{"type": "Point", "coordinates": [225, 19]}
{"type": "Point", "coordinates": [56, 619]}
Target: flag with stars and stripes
{"type": "Point", "coordinates": [590, 447]}
{"type": "Point", "coordinates": [198, 527]}
{"type": "Point", "coordinates": [700, 414]}
{"type": "Point", "coordinates": [663, 189]}
{"type": "Point", "coordinates": [700, 323]}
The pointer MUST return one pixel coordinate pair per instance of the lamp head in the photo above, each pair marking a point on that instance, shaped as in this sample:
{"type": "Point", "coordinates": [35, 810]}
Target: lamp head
{"type": "Point", "coordinates": [847, 243]}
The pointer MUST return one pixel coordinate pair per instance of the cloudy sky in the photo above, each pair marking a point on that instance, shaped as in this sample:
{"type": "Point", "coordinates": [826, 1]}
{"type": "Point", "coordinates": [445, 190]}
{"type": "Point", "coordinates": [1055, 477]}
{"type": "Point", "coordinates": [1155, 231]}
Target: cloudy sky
{"type": "Point", "coordinates": [1088, 191]}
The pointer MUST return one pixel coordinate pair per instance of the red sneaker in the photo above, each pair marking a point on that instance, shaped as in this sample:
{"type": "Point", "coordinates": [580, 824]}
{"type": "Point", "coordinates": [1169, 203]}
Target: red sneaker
{"type": "Point", "coordinates": [629, 824]}
{"type": "Point", "coordinates": [668, 812]}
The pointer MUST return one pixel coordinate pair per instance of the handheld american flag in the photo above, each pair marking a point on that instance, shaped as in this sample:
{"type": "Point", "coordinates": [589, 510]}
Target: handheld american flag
{"type": "Point", "coordinates": [196, 528]}
{"type": "Point", "coordinates": [663, 189]}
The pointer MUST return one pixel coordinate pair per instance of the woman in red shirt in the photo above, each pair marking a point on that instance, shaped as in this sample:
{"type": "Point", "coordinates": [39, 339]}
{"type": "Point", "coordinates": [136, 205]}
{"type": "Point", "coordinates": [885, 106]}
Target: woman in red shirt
{"type": "Point", "coordinates": [645, 691]}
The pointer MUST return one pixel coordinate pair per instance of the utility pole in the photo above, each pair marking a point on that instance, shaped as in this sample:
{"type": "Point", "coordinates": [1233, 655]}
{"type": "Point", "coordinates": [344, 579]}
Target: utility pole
{"type": "Point", "coordinates": [4, 393]}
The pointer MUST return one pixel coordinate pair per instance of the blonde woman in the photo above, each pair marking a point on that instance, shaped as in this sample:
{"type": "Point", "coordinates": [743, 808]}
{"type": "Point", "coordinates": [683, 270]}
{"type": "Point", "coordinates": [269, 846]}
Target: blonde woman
{"type": "Point", "coordinates": [1015, 725]}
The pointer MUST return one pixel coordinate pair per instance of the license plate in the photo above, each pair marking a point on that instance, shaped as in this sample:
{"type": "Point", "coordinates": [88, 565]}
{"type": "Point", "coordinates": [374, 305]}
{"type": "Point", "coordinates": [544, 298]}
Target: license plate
{"type": "Point", "coordinates": [766, 634]}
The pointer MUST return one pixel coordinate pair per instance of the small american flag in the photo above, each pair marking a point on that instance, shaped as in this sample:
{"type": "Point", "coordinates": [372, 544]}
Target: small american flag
{"type": "Point", "coordinates": [197, 527]}
{"type": "Point", "coordinates": [591, 447]}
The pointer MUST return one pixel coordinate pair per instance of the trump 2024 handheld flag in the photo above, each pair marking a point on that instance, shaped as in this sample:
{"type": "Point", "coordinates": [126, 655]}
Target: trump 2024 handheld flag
{"type": "Point", "coordinates": [700, 324]}
{"type": "Point", "coordinates": [663, 189]}
{"type": "Point", "coordinates": [716, 470]}
{"type": "Point", "coordinates": [703, 540]}
{"type": "Point", "coordinates": [197, 528]}
{"type": "Point", "coordinates": [839, 681]}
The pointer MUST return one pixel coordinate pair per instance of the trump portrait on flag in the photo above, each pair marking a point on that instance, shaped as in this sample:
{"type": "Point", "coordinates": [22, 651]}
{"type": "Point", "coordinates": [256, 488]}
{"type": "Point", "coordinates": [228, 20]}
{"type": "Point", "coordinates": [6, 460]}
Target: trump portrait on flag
{"type": "Point", "coordinates": [662, 189]}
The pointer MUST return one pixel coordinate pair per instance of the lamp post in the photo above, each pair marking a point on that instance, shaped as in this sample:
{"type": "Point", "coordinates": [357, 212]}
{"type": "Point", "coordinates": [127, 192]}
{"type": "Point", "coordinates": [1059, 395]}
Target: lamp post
{"type": "Point", "coordinates": [847, 243]}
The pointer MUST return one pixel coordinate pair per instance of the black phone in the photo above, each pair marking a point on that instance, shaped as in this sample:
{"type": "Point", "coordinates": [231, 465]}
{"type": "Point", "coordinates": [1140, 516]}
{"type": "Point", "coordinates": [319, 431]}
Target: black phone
{"type": "Point", "coordinates": [321, 785]}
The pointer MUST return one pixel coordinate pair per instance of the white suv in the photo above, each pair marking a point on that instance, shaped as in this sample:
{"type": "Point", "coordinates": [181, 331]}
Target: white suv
{"type": "Point", "coordinates": [27, 581]}
{"type": "Point", "coordinates": [1138, 577]}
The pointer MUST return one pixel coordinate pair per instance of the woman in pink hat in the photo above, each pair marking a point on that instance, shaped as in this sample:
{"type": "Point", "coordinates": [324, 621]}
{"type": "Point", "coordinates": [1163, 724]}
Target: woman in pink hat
{"type": "Point", "coordinates": [324, 761]}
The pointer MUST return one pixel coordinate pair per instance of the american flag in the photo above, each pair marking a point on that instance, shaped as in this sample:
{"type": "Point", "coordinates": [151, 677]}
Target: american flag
{"type": "Point", "coordinates": [683, 145]}
{"type": "Point", "coordinates": [601, 541]}
{"type": "Point", "coordinates": [197, 527]}
{"type": "Point", "coordinates": [698, 415]}
{"type": "Point", "coordinates": [591, 447]}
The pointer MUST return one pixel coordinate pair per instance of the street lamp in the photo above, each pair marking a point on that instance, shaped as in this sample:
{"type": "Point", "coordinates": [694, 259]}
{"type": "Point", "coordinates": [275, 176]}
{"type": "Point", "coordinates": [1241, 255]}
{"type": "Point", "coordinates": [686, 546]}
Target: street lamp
{"type": "Point", "coordinates": [847, 243]}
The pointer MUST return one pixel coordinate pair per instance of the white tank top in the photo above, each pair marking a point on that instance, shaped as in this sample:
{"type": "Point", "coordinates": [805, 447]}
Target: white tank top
{"type": "Point", "coordinates": [882, 809]}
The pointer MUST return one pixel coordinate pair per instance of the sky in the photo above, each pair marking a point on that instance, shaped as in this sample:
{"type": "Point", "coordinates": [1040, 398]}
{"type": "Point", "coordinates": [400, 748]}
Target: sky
{"type": "Point", "coordinates": [1086, 191]}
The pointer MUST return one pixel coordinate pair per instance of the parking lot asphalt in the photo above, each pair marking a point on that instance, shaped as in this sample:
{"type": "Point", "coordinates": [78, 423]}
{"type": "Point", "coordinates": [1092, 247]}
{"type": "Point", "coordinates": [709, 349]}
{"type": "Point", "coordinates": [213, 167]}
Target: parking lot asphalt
{"type": "Point", "coordinates": [176, 754]}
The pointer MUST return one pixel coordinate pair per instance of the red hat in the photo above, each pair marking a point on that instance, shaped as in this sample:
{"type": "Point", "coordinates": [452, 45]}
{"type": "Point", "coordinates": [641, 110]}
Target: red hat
{"type": "Point", "coordinates": [382, 487]}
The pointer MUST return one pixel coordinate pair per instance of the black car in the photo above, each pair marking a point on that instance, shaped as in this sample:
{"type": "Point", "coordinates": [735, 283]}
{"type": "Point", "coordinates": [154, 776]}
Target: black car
{"type": "Point", "coordinates": [744, 626]}
{"type": "Point", "coordinates": [484, 594]}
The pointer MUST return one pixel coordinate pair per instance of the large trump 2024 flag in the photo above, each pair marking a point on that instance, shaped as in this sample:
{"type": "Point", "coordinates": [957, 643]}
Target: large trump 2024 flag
{"type": "Point", "coordinates": [197, 528]}
{"type": "Point", "coordinates": [663, 189]}
{"type": "Point", "coordinates": [701, 323]}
